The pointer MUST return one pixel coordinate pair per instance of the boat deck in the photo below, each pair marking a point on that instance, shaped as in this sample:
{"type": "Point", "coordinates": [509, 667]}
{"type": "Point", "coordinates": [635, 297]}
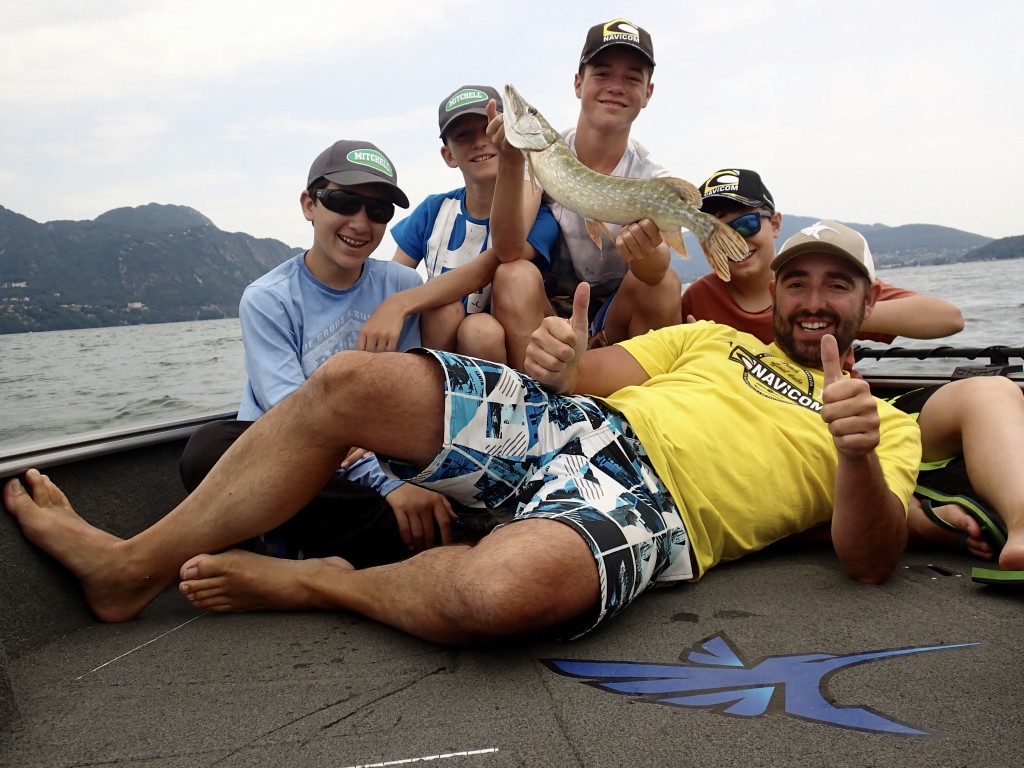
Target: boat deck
{"type": "Point", "coordinates": [177, 687]}
{"type": "Point", "coordinates": [778, 659]}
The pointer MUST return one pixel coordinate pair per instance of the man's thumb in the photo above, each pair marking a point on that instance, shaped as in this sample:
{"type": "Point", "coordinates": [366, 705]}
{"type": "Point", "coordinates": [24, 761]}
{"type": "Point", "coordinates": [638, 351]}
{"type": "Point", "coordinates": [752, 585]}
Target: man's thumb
{"type": "Point", "coordinates": [580, 305]}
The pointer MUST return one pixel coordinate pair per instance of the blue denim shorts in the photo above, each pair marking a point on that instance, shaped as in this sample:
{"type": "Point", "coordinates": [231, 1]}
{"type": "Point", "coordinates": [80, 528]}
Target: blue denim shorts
{"type": "Point", "coordinates": [515, 451]}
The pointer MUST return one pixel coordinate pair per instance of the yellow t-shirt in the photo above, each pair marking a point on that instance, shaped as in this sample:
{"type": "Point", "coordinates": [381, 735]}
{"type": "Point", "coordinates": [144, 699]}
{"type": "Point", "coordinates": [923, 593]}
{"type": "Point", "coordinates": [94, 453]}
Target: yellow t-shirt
{"type": "Point", "coordinates": [733, 428]}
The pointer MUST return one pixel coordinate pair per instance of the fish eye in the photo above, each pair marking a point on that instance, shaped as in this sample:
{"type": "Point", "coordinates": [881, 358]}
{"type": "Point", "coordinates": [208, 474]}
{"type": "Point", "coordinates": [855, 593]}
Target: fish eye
{"type": "Point", "coordinates": [533, 110]}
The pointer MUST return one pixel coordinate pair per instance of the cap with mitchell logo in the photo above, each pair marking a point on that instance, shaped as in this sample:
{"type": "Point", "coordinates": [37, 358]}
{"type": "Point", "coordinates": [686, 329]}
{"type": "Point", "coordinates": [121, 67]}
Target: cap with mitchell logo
{"type": "Point", "coordinates": [617, 32]}
{"type": "Point", "coordinates": [467, 100]}
{"type": "Point", "coordinates": [357, 162]}
{"type": "Point", "coordinates": [738, 185]}
{"type": "Point", "coordinates": [827, 236]}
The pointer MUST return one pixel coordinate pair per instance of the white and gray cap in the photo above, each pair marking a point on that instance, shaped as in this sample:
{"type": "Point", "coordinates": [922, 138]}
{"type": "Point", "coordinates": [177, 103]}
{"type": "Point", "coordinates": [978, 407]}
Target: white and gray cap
{"type": "Point", "coordinates": [828, 236]}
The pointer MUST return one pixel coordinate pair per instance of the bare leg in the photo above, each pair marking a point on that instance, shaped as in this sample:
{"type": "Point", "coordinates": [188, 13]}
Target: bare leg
{"type": "Point", "coordinates": [638, 308]}
{"type": "Point", "coordinates": [522, 578]}
{"type": "Point", "coordinates": [480, 335]}
{"type": "Point", "coordinates": [983, 418]}
{"type": "Point", "coordinates": [388, 403]}
{"type": "Point", "coordinates": [519, 303]}
{"type": "Point", "coordinates": [439, 326]}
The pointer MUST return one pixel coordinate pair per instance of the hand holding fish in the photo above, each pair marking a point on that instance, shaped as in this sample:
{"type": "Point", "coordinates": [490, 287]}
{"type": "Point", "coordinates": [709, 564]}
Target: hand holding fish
{"type": "Point", "coordinates": [557, 346]}
{"type": "Point", "coordinates": [496, 133]}
{"type": "Point", "coordinates": [639, 240]}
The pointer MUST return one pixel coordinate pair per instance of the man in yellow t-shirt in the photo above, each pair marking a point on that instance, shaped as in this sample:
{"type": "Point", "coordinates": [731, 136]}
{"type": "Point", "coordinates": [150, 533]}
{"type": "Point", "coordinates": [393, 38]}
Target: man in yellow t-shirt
{"type": "Point", "coordinates": [617, 468]}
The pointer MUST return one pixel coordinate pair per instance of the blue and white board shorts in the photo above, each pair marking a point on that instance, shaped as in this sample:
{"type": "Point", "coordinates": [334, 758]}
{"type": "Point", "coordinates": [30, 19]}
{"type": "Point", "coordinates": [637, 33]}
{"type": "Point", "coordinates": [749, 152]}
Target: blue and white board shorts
{"type": "Point", "coordinates": [516, 452]}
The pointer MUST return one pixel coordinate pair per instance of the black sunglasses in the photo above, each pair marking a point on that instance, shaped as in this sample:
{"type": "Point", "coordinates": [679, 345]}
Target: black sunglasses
{"type": "Point", "coordinates": [749, 224]}
{"type": "Point", "coordinates": [350, 203]}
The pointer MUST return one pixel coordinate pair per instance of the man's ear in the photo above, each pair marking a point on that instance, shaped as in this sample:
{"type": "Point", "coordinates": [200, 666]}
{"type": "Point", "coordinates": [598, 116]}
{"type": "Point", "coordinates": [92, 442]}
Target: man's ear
{"type": "Point", "coordinates": [449, 159]}
{"type": "Point", "coordinates": [870, 297]}
{"type": "Point", "coordinates": [771, 290]}
{"type": "Point", "coordinates": [308, 203]}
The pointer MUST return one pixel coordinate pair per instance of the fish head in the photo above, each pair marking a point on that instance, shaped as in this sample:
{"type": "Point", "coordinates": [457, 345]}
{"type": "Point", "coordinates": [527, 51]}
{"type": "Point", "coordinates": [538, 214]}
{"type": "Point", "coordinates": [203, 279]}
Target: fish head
{"type": "Point", "coordinates": [525, 127]}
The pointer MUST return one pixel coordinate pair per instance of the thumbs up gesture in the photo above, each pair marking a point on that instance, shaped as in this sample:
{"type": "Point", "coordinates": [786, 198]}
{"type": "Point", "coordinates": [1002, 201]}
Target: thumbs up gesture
{"type": "Point", "coordinates": [848, 407]}
{"type": "Point", "coordinates": [557, 346]}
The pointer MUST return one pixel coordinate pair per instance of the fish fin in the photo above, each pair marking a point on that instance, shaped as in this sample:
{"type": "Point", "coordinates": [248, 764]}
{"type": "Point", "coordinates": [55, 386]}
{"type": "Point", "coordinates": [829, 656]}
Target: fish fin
{"type": "Point", "coordinates": [723, 245]}
{"type": "Point", "coordinates": [689, 193]}
{"type": "Point", "coordinates": [595, 228]}
{"type": "Point", "coordinates": [675, 242]}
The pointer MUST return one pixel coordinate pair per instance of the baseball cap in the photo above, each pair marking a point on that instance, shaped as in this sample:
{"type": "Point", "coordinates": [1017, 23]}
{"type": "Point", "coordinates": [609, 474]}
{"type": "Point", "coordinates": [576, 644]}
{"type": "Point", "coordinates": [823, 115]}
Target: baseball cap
{"type": "Point", "coordinates": [357, 162]}
{"type": "Point", "coordinates": [617, 32]}
{"type": "Point", "coordinates": [466, 100]}
{"type": "Point", "coordinates": [827, 236]}
{"type": "Point", "coordinates": [736, 184]}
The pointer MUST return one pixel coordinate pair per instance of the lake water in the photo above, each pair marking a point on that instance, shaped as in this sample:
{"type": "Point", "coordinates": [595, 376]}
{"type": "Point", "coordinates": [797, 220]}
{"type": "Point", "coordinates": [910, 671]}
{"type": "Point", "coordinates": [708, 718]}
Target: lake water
{"type": "Point", "coordinates": [68, 382]}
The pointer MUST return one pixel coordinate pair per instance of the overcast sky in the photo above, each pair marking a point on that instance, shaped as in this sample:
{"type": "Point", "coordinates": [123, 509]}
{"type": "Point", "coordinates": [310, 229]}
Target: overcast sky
{"type": "Point", "coordinates": [879, 111]}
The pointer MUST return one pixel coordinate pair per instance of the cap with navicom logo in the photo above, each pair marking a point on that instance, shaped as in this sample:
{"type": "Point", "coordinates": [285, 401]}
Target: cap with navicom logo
{"type": "Point", "coordinates": [357, 162]}
{"type": "Point", "coordinates": [617, 32]}
{"type": "Point", "coordinates": [827, 236]}
{"type": "Point", "coordinates": [466, 100]}
{"type": "Point", "coordinates": [738, 185]}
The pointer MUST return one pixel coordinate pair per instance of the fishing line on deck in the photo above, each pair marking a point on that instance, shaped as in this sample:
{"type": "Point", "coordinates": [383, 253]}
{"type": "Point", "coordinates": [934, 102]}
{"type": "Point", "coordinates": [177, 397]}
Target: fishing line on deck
{"type": "Point", "coordinates": [407, 760]}
{"type": "Point", "coordinates": [133, 650]}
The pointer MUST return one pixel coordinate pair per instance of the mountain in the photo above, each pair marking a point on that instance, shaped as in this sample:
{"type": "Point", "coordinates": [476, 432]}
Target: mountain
{"type": "Point", "coordinates": [163, 263]}
{"type": "Point", "coordinates": [149, 264]}
{"type": "Point", "coordinates": [906, 245]}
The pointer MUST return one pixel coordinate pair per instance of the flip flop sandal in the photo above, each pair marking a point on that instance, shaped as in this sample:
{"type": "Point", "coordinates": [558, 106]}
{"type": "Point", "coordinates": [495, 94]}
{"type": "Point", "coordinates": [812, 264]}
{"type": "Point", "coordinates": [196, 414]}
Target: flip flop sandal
{"type": "Point", "coordinates": [998, 578]}
{"type": "Point", "coordinates": [993, 529]}
{"type": "Point", "coordinates": [961, 536]}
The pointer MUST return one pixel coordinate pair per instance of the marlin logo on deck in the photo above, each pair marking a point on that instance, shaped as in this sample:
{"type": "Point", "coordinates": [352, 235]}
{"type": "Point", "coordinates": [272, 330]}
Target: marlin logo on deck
{"type": "Point", "coordinates": [715, 677]}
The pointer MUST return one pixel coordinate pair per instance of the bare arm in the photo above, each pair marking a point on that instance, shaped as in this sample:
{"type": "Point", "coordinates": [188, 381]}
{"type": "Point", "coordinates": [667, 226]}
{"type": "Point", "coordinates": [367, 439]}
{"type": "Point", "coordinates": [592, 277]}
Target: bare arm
{"type": "Point", "coordinates": [558, 357]}
{"type": "Point", "coordinates": [381, 331]}
{"type": "Point", "coordinates": [869, 523]}
{"type": "Point", "coordinates": [915, 317]}
{"type": "Point", "coordinates": [515, 203]}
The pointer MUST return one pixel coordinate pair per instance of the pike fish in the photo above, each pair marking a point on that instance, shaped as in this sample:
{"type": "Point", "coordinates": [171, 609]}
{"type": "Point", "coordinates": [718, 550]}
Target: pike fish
{"type": "Point", "coordinates": [670, 203]}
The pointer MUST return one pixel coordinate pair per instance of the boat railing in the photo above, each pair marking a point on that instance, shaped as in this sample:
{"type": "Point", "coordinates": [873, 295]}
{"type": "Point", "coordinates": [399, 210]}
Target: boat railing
{"type": "Point", "coordinates": [981, 361]}
{"type": "Point", "coordinates": [16, 459]}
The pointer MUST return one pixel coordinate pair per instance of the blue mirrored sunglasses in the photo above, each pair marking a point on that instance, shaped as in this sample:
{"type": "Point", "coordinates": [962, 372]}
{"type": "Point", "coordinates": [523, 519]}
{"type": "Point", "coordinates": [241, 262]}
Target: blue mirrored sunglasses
{"type": "Point", "coordinates": [749, 224]}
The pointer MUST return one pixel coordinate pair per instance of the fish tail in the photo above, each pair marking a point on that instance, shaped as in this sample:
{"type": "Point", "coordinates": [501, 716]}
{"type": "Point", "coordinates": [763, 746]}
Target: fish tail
{"type": "Point", "coordinates": [723, 244]}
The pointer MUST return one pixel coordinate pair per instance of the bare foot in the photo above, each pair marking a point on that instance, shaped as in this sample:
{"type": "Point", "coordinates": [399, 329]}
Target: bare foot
{"type": "Point", "coordinates": [237, 581]}
{"type": "Point", "coordinates": [925, 532]}
{"type": "Point", "coordinates": [1012, 556]}
{"type": "Point", "coordinates": [94, 556]}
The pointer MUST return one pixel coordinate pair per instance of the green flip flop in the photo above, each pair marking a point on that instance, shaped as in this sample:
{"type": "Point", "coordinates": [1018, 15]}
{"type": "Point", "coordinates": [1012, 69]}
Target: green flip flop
{"type": "Point", "coordinates": [997, 577]}
{"type": "Point", "coordinates": [993, 529]}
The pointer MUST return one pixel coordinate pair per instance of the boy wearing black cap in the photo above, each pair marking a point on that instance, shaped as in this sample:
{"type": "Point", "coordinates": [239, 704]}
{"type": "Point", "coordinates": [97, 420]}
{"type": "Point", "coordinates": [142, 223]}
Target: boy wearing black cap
{"type": "Point", "coordinates": [450, 235]}
{"type": "Point", "coordinates": [297, 316]}
{"type": "Point", "coordinates": [740, 198]}
{"type": "Point", "coordinates": [633, 288]}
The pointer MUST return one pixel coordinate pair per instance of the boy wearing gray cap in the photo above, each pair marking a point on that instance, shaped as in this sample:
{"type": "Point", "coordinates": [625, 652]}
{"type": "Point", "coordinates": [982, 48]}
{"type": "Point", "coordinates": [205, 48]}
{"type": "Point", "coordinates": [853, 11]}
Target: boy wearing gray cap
{"type": "Point", "coordinates": [296, 317]}
{"type": "Point", "coordinates": [450, 235]}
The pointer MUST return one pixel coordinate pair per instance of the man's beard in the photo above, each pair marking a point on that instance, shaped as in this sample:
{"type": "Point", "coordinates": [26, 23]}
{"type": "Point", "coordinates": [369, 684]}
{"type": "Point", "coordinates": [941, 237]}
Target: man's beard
{"type": "Point", "coordinates": [808, 353]}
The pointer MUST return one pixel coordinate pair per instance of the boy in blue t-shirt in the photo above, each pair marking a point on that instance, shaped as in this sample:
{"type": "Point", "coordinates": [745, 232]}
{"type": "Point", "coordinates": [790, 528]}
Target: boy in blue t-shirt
{"type": "Point", "coordinates": [293, 319]}
{"type": "Point", "coordinates": [450, 234]}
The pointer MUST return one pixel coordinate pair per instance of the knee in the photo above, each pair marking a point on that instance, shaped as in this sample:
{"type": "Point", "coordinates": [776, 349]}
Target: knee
{"type": "Point", "coordinates": [514, 281]}
{"type": "Point", "coordinates": [480, 335]}
{"type": "Point", "coordinates": [343, 376]}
